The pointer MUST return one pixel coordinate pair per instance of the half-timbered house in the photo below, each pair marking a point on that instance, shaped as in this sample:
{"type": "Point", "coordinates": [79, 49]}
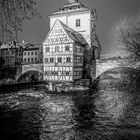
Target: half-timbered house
{"type": "Point", "coordinates": [70, 41]}
{"type": "Point", "coordinates": [63, 54]}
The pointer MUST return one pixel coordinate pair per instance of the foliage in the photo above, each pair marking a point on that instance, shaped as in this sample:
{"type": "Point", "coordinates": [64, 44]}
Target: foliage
{"type": "Point", "coordinates": [12, 14]}
{"type": "Point", "coordinates": [127, 35]}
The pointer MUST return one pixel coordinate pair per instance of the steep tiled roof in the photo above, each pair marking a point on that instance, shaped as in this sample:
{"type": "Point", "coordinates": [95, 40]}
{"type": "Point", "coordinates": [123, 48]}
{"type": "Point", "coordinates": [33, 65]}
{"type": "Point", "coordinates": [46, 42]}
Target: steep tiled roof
{"type": "Point", "coordinates": [74, 35]}
{"type": "Point", "coordinates": [30, 46]}
{"type": "Point", "coordinates": [16, 45]}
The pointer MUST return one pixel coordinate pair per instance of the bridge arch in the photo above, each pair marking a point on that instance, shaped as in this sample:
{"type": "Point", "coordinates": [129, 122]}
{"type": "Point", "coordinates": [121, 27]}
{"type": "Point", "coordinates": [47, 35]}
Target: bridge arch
{"type": "Point", "coordinates": [29, 73]}
{"type": "Point", "coordinates": [115, 71]}
{"type": "Point", "coordinates": [117, 74]}
{"type": "Point", "coordinates": [103, 65]}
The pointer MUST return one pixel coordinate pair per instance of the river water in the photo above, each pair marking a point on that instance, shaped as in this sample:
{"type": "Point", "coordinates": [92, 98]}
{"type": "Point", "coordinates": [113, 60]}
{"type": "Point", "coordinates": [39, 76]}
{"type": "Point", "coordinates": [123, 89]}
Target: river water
{"type": "Point", "coordinates": [39, 115]}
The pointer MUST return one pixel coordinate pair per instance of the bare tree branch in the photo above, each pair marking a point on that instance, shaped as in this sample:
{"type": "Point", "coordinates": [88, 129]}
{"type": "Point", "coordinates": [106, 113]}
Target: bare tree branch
{"type": "Point", "coordinates": [12, 14]}
{"type": "Point", "coordinates": [127, 35]}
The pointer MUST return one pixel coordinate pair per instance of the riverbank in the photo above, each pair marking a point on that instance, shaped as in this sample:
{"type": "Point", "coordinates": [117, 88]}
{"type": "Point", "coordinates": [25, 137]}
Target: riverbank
{"type": "Point", "coordinates": [7, 82]}
{"type": "Point", "coordinates": [19, 86]}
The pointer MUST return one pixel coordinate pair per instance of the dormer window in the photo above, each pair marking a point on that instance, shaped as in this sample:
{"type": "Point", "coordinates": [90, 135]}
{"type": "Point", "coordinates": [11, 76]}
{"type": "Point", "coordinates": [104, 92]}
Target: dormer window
{"type": "Point", "coordinates": [77, 22]}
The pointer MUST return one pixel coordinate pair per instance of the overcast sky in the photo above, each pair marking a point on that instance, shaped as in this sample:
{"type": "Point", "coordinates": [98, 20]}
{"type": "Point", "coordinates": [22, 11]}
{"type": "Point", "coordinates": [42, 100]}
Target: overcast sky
{"type": "Point", "coordinates": [109, 13]}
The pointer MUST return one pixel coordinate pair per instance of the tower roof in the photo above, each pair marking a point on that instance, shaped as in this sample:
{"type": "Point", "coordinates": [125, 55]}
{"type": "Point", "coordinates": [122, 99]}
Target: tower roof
{"type": "Point", "coordinates": [71, 7]}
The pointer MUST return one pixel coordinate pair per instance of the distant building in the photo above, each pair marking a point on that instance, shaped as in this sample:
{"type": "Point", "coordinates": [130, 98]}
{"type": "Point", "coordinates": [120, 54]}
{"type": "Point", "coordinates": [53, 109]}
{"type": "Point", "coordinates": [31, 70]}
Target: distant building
{"type": "Point", "coordinates": [16, 53]}
{"type": "Point", "coordinates": [19, 52]}
{"type": "Point", "coordinates": [71, 40]}
{"type": "Point", "coordinates": [8, 52]}
{"type": "Point", "coordinates": [31, 53]}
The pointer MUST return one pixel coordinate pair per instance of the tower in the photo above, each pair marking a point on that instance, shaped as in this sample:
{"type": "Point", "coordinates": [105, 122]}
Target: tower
{"type": "Point", "coordinates": [78, 17]}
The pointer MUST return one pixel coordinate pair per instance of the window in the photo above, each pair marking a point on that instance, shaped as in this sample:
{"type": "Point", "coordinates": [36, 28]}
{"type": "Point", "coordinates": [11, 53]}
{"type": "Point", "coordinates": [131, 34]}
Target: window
{"type": "Point", "coordinates": [3, 52]}
{"type": "Point", "coordinates": [81, 60]}
{"type": "Point", "coordinates": [46, 60]}
{"type": "Point", "coordinates": [51, 60]}
{"type": "Point", "coordinates": [25, 59]}
{"type": "Point", "coordinates": [24, 53]}
{"type": "Point", "coordinates": [32, 53]}
{"type": "Point", "coordinates": [77, 73]}
{"type": "Point", "coordinates": [28, 53]}
{"type": "Point", "coordinates": [32, 59]}
{"type": "Point", "coordinates": [56, 48]}
{"type": "Point", "coordinates": [35, 53]}
{"type": "Point", "coordinates": [68, 59]}
{"type": "Point", "coordinates": [52, 72]}
{"type": "Point", "coordinates": [12, 51]}
{"type": "Point", "coordinates": [35, 59]}
{"type": "Point", "coordinates": [46, 72]}
{"type": "Point", "coordinates": [67, 48]}
{"type": "Point", "coordinates": [67, 73]}
{"type": "Point", "coordinates": [78, 49]}
{"type": "Point", "coordinates": [55, 73]}
{"type": "Point", "coordinates": [77, 22]}
{"type": "Point", "coordinates": [28, 59]}
{"type": "Point", "coordinates": [59, 60]}
{"type": "Point", "coordinates": [47, 49]}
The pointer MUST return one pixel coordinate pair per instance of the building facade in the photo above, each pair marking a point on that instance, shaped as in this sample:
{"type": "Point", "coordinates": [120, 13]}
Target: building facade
{"type": "Point", "coordinates": [63, 54]}
{"type": "Point", "coordinates": [70, 40]}
{"type": "Point", "coordinates": [8, 53]}
{"type": "Point", "coordinates": [31, 54]}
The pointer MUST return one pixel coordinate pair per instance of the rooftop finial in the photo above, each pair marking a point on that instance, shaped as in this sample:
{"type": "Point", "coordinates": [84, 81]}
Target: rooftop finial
{"type": "Point", "coordinates": [73, 1]}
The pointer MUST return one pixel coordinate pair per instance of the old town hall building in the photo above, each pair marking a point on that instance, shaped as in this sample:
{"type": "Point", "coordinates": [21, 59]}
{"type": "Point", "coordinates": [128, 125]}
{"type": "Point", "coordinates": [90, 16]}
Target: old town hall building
{"type": "Point", "coordinates": [71, 43]}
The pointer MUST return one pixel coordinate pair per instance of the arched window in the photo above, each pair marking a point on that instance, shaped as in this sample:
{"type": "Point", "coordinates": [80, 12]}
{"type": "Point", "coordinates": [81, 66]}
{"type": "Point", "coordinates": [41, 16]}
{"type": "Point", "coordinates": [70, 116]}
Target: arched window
{"type": "Point", "coordinates": [77, 22]}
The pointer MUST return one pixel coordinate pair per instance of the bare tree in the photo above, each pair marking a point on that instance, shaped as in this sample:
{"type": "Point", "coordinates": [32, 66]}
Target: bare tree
{"type": "Point", "coordinates": [12, 14]}
{"type": "Point", "coordinates": [127, 35]}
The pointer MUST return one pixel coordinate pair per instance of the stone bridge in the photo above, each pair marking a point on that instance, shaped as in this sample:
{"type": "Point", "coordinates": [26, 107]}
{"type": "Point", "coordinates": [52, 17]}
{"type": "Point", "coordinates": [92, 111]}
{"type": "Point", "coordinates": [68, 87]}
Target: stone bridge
{"type": "Point", "coordinates": [103, 65]}
{"type": "Point", "coordinates": [30, 68]}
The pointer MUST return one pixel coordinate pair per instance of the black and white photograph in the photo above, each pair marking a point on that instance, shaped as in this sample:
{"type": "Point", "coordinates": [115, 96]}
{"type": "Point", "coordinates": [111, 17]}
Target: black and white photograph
{"type": "Point", "coordinates": [70, 69]}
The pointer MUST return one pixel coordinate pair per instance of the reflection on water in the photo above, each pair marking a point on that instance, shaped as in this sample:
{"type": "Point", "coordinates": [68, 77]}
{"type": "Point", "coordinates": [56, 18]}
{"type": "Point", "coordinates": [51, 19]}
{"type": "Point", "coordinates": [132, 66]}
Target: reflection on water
{"type": "Point", "coordinates": [58, 121]}
{"type": "Point", "coordinates": [43, 116]}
